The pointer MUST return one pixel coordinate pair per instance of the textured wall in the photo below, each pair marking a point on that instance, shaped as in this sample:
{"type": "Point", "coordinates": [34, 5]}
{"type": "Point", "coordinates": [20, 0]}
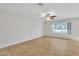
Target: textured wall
{"type": "Point", "coordinates": [15, 28]}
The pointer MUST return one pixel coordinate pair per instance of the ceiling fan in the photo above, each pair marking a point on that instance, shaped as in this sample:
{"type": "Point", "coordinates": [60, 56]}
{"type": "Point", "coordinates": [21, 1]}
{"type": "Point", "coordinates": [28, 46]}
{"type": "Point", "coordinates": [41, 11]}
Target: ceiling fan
{"type": "Point", "coordinates": [47, 15]}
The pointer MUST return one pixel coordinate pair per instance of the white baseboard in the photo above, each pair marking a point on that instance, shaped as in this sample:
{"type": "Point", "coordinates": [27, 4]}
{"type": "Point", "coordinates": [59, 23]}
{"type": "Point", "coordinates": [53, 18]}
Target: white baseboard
{"type": "Point", "coordinates": [20, 41]}
{"type": "Point", "coordinates": [66, 37]}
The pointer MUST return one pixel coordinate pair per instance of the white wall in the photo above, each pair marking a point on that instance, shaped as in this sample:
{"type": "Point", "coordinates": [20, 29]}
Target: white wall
{"type": "Point", "coordinates": [74, 29]}
{"type": "Point", "coordinates": [15, 28]}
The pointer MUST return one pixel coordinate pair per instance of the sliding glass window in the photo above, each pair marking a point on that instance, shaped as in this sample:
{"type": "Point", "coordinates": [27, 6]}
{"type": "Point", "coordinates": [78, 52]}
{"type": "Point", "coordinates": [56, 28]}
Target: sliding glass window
{"type": "Point", "coordinates": [61, 27]}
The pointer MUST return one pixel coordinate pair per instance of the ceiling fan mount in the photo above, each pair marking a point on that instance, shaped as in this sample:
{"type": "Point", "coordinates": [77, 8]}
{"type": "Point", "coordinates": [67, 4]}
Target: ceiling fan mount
{"type": "Point", "coordinates": [47, 15]}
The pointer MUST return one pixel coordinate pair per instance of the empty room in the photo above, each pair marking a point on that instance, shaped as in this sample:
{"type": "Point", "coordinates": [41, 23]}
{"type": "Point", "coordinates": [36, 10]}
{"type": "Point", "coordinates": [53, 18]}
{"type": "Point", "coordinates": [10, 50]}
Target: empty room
{"type": "Point", "coordinates": [39, 29]}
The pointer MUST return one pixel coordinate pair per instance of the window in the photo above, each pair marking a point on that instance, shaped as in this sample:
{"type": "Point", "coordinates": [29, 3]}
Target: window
{"type": "Point", "coordinates": [61, 27]}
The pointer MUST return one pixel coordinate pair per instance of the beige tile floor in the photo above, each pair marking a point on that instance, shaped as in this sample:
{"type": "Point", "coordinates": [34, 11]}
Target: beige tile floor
{"type": "Point", "coordinates": [43, 46]}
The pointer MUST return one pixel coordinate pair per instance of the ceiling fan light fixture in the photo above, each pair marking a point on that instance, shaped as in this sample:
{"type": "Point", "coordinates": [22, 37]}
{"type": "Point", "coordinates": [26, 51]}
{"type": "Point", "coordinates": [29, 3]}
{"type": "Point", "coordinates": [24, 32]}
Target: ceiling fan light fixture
{"type": "Point", "coordinates": [50, 17]}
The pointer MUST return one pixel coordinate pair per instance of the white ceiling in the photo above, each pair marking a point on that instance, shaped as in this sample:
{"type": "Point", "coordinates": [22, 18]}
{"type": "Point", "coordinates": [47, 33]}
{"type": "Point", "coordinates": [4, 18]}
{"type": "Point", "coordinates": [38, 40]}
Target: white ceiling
{"type": "Point", "coordinates": [62, 10]}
